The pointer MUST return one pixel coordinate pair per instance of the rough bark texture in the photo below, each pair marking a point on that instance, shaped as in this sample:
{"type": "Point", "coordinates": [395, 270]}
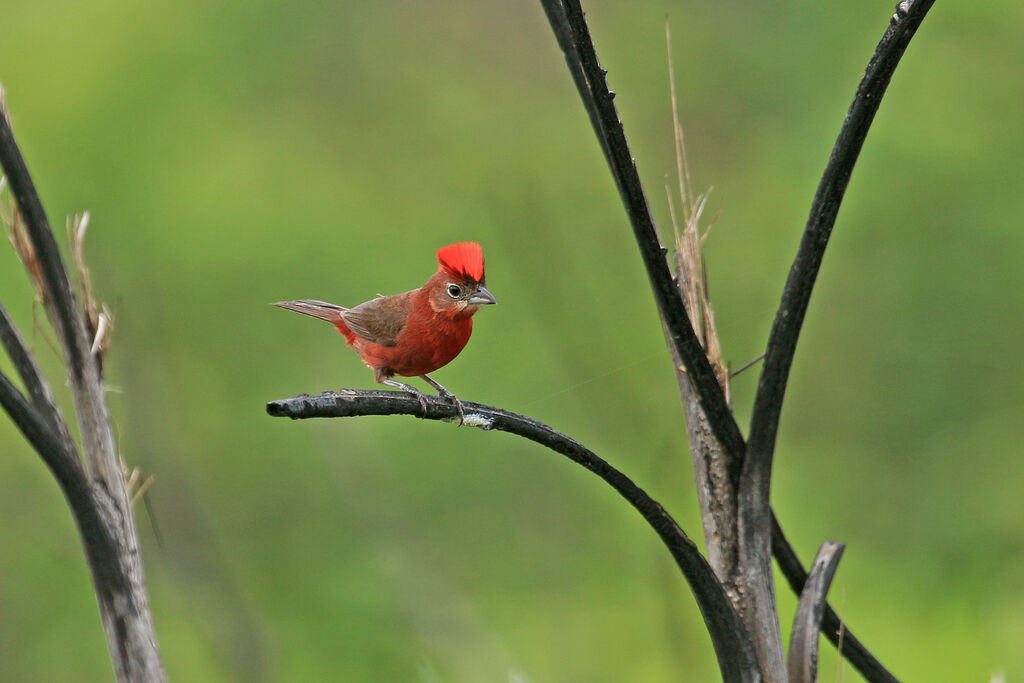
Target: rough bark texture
{"type": "Point", "coordinates": [715, 491]}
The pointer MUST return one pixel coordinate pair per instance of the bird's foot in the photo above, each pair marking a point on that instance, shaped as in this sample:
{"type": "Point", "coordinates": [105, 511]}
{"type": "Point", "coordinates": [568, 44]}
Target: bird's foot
{"type": "Point", "coordinates": [458, 405]}
{"type": "Point", "coordinates": [408, 388]}
{"type": "Point", "coordinates": [444, 393]}
{"type": "Point", "coordinates": [423, 401]}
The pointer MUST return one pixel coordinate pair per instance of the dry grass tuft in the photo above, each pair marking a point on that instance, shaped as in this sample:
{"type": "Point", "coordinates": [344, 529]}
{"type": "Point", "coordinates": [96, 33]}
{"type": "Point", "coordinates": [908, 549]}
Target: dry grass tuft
{"type": "Point", "coordinates": [134, 483]}
{"type": "Point", "coordinates": [14, 225]}
{"type": "Point", "coordinates": [691, 270]}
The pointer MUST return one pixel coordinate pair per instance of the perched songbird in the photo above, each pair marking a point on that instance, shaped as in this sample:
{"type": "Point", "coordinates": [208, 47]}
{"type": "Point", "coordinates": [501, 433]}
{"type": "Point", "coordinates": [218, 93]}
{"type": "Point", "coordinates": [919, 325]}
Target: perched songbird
{"type": "Point", "coordinates": [416, 332]}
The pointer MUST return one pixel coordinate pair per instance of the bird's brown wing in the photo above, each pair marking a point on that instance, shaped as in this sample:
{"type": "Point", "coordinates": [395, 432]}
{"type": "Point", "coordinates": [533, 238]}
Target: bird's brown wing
{"type": "Point", "coordinates": [380, 320]}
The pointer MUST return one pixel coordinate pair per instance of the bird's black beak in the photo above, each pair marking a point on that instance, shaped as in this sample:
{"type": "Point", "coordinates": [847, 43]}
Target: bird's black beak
{"type": "Point", "coordinates": [481, 296]}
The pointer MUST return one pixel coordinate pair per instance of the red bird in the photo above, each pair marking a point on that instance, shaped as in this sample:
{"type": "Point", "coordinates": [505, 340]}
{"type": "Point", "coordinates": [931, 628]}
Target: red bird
{"type": "Point", "coordinates": [416, 332]}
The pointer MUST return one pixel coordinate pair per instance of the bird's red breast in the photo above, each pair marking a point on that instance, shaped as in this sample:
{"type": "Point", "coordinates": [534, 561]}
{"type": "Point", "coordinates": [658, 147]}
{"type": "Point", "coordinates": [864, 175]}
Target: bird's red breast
{"type": "Point", "coordinates": [428, 339]}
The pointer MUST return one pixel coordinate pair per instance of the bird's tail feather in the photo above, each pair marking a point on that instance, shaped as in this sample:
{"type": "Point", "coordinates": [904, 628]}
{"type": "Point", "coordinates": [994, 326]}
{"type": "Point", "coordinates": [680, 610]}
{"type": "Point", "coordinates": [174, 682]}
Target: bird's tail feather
{"type": "Point", "coordinates": [320, 310]}
{"type": "Point", "coordinates": [317, 309]}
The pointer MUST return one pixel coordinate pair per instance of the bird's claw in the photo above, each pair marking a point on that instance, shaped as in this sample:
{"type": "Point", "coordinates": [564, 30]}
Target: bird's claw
{"type": "Point", "coordinates": [458, 406]}
{"type": "Point", "coordinates": [444, 393]}
{"type": "Point", "coordinates": [416, 393]}
{"type": "Point", "coordinates": [422, 400]}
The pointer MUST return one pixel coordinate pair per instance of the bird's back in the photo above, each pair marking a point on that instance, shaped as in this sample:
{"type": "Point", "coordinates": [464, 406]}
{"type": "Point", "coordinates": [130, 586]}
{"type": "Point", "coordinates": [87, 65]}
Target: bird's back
{"type": "Point", "coordinates": [381, 320]}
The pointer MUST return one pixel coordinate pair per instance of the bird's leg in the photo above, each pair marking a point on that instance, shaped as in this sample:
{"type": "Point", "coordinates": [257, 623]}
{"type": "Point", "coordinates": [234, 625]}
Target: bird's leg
{"type": "Point", "coordinates": [448, 395]}
{"type": "Point", "coordinates": [406, 387]}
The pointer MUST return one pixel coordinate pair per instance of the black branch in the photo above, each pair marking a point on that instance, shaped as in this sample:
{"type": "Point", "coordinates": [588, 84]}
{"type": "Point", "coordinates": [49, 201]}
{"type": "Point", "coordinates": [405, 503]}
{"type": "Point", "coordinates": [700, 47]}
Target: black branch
{"type": "Point", "coordinates": [61, 460]}
{"type": "Point", "coordinates": [38, 388]}
{"type": "Point", "coordinates": [755, 515]}
{"type": "Point", "coordinates": [40, 422]}
{"type": "Point", "coordinates": [570, 29]}
{"type": "Point", "coordinates": [573, 36]}
{"type": "Point", "coordinates": [728, 635]}
{"type": "Point", "coordinates": [796, 294]}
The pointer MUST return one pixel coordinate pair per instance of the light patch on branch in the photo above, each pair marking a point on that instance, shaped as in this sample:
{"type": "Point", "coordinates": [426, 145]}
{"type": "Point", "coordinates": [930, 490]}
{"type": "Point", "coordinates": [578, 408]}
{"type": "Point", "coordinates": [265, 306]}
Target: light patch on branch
{"type": "Point", "coordinates": [475, 420]}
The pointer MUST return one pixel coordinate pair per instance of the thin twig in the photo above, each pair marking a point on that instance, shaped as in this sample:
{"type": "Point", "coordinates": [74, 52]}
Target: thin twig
{"type": "Point", "coordinates": [746, 366]}
{"type": "Point", "coordinates": [735, 655]}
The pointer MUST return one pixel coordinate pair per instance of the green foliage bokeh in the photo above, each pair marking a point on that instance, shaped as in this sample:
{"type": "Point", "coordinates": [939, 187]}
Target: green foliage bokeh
{"type": "Point", "coordinates": [232, 154]}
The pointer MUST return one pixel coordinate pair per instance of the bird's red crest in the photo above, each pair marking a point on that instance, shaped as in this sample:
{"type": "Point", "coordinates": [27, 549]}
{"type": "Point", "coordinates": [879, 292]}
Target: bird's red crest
{"type": "Point", "coordinates": [462, 260]}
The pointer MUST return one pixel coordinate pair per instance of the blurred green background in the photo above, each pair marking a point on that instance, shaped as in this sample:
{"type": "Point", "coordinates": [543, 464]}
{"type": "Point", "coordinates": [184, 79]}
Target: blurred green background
{"type": "Point", "coordinates": [237, 153]}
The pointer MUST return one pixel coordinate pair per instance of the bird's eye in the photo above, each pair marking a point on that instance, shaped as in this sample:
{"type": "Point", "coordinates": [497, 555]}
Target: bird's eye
{"type": "Point", "coordinates": [454, 291]}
